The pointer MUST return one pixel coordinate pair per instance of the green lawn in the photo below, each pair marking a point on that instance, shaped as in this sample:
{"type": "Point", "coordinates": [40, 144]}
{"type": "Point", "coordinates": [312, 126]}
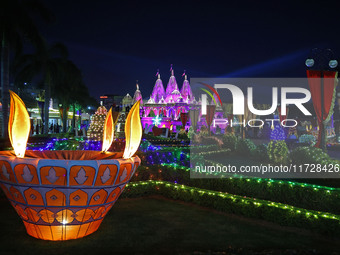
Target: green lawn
{"type": "Point", "coordinates": [155, 225]}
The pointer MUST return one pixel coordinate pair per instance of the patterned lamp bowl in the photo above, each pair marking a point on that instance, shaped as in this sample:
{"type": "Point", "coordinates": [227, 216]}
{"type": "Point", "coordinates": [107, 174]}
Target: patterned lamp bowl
{"type": "Point", "coordinates": [62, 195]}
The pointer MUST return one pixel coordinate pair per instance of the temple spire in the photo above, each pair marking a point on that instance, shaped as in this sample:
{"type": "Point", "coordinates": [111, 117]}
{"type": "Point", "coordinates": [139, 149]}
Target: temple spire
{"type": "Point", "coordinates": [158, 90]}
{"type": "Point", "coordinates": [138, 95]}
{"type": "Point", "coordinates": [172, 71]}
{"type": "Point", "coordinates": [186, 89]}
{"type": "Point", "coordinates": [172, 85]}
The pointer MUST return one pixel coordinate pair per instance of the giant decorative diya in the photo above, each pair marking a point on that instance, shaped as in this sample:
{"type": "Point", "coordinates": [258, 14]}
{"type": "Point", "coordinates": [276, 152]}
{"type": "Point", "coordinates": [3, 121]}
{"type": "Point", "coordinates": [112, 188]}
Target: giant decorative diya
{"type": "Point", "coordinates": [63, 195]}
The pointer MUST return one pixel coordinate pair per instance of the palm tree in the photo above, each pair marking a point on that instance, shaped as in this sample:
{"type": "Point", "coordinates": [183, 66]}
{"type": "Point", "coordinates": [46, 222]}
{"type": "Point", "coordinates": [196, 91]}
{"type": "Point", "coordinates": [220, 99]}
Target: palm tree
{"type": "Point", "coordinates": [71, 91]}
{"type": "Point", "coordinates": [81, 99]}
{"type": "Point", "coordinates": [16, 24]}
{"type": "Point", "coordinates": [48, 64]}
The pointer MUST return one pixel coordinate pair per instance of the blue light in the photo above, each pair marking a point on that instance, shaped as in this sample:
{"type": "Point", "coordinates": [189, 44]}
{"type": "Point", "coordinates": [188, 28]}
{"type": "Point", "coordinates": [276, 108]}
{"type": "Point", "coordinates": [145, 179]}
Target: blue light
{"type": "Point", "coordinates": [157, 120]}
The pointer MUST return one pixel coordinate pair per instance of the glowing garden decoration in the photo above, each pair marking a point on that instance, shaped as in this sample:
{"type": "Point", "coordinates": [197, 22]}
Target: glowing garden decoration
{"type": "Point", "coordinates": [157, 120]}
{"type": "Point", "coordinates": [62, 195]}
{"type": "Point", "coordinates": [278, 134]}
{"type": "Point", "coordinates": [95, 132]}
{"type": "Point", "coordinates": [18, 125]}
{"type": "Point", "coordinates": [133, 131]}
{"type": "Point", "coordinates": [108, 131]}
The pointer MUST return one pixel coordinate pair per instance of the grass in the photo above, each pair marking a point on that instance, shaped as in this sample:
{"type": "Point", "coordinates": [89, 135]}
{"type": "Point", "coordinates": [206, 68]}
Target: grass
{"type": "Point", "coordinates": [155, 225]}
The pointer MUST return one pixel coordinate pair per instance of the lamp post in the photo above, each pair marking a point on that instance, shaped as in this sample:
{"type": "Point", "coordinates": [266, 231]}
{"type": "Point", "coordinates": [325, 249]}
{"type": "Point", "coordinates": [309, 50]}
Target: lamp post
{"type": "Point", "coordinates": [322, 60]}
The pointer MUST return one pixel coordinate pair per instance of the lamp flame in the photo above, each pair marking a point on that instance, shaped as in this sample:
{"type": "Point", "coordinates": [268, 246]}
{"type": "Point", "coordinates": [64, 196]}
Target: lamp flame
{"type": "Point", "coordinates": [108, 131]}
{"type": "Point", "coordinates": [133, 131]}
{"type": "Point", "coordinates": [18, 125]}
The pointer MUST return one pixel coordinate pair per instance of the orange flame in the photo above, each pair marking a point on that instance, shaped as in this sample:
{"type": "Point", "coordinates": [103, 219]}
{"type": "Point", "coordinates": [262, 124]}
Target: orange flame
{"type": "Point", "coordinates": [108, 131]}
{"type": "Point", "coordinates": [18, 125]}
{"type": "Point", "coordinates": [133, 131]}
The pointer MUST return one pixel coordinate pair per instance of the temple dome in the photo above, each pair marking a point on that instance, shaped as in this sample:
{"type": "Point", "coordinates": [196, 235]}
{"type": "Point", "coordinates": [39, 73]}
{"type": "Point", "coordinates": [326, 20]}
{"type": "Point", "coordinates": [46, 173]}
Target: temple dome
{"type": "Point", "coordinates": [186, 89]}
{"type": "Point", "coordinates": [170, 100]}
{"type": "Point", "coordinates": [172, 84]}
{"type": "Point", "coordinates": [138, 95]}
{"type": "Point", "coordinates": [193, 101]}
{"type": "Point", "coordinates": [151, 101]}
{"type": "Point", "coordinates": [127, 100]}
{"type": "Point", "coordinates": [162, 101]}
{"type": "Point", "coordinates": [180, 99]}
{"type": "Point", "coordinates": [158, 90]}
{"type": "Point", "coordinates": [175, 95]}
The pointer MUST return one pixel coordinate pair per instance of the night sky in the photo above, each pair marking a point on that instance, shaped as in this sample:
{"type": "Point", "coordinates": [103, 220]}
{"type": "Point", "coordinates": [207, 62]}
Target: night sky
{"type": "Point", "coordinates": [117, 43]}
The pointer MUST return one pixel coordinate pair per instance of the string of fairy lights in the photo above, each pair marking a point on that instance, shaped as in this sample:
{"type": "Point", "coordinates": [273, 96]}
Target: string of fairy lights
{"type": "Point", "coordinates": [246, 200]}
{"type": "Point", "coordinates": [259, 180]}
{"type": "Point", "coordinates": [307, 217]}
{"type": "Point", "coordinates": [315, 196]}
{"type": "Point", "coordinates": [95, 131]}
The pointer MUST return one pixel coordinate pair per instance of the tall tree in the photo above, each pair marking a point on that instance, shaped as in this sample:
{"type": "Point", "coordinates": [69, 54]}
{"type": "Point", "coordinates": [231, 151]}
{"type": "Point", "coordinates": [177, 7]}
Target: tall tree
{"type": "Point", "coordinates": [16, 24]}
{"type": "Point", "coordinates": [48, 64]}
{"type": "Point", "coordinates": [71, 91]}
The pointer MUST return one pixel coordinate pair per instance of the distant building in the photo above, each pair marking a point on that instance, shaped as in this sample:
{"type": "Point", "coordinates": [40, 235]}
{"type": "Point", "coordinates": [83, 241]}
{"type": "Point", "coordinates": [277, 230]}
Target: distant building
{"type": "Point", "coordinates": [110, 100]}
{"type": "Point", "coordinates": [126, 102]}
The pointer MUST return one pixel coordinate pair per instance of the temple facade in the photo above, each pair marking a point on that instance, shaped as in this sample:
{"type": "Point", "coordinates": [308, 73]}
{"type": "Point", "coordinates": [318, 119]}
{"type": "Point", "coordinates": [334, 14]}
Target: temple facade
{"type": "Point", "coordinates": [168, 104]}
{"type": "Point", "coordinates": [165, 105]}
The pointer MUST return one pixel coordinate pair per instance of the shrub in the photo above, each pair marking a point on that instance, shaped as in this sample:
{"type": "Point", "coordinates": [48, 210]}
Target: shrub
{"type": "Point", "coordinates": [309, 155]}
{"type": "Point", "coordinates": [182, 136]}
{"type": "Point", "coordinates": [310, 139]}
{"type": "Point", "coordinates": [261, 152]}
{"type": "Point", "coordinates": [236, 204]}
{"type": "Point", "coordinates": [297, 194]}
{"type": "Point", "coordinates": [191, 133]}
{"type": "Point", "coordinates": [204, 131]}
{"type": "Point", "coordinates": [245, 147]}
{"type": "Point", "coordinates": [278, 152]}
{"type": "Point", "coordinates": [229, 141]}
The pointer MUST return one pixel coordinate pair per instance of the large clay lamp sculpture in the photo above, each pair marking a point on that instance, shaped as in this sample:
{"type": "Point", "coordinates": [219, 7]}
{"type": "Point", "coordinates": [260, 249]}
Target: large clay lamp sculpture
{"type": "Point", "coordinates": [63, 195]}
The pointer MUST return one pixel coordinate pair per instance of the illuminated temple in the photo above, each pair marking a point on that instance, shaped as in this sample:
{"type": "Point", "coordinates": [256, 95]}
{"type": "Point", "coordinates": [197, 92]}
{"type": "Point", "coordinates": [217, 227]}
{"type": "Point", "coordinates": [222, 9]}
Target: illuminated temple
{"type": "Point", "coordinates": [168, 103]}
{"type": "Point", "coordinates": [165, 105]}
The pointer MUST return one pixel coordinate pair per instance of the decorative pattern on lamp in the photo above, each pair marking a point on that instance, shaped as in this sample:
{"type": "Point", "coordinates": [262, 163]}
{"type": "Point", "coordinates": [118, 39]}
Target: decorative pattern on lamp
{"type": "Point", "coordinates": [63, 195]}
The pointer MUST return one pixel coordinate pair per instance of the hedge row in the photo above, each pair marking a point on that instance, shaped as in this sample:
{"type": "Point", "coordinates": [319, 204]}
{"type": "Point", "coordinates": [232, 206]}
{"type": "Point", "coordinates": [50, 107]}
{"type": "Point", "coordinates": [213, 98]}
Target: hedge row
{"type": "Point", "coordinates": [297, 194]}
{"type": "Point", "coordinates": [277, 152]}
{"type": "Point", "coordinates": [261, 209]}
{"type": "Point", "coordinates": [174, 169]}
{"type": "Point", "coordinates": [151, 155]}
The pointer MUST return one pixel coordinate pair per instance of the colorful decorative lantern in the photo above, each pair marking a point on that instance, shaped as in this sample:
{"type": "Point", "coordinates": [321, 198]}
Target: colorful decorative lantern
{"type": "Point", "coordinates": [194, 113]}
{"type": "Point", "coordinates": [62, 195]}
{"type": "Point", "coordinates": [322, 85]}
{"type": "Point", "coordinates": [184, 118]}
{"type": "Point", "coordinates": [210, 115]}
